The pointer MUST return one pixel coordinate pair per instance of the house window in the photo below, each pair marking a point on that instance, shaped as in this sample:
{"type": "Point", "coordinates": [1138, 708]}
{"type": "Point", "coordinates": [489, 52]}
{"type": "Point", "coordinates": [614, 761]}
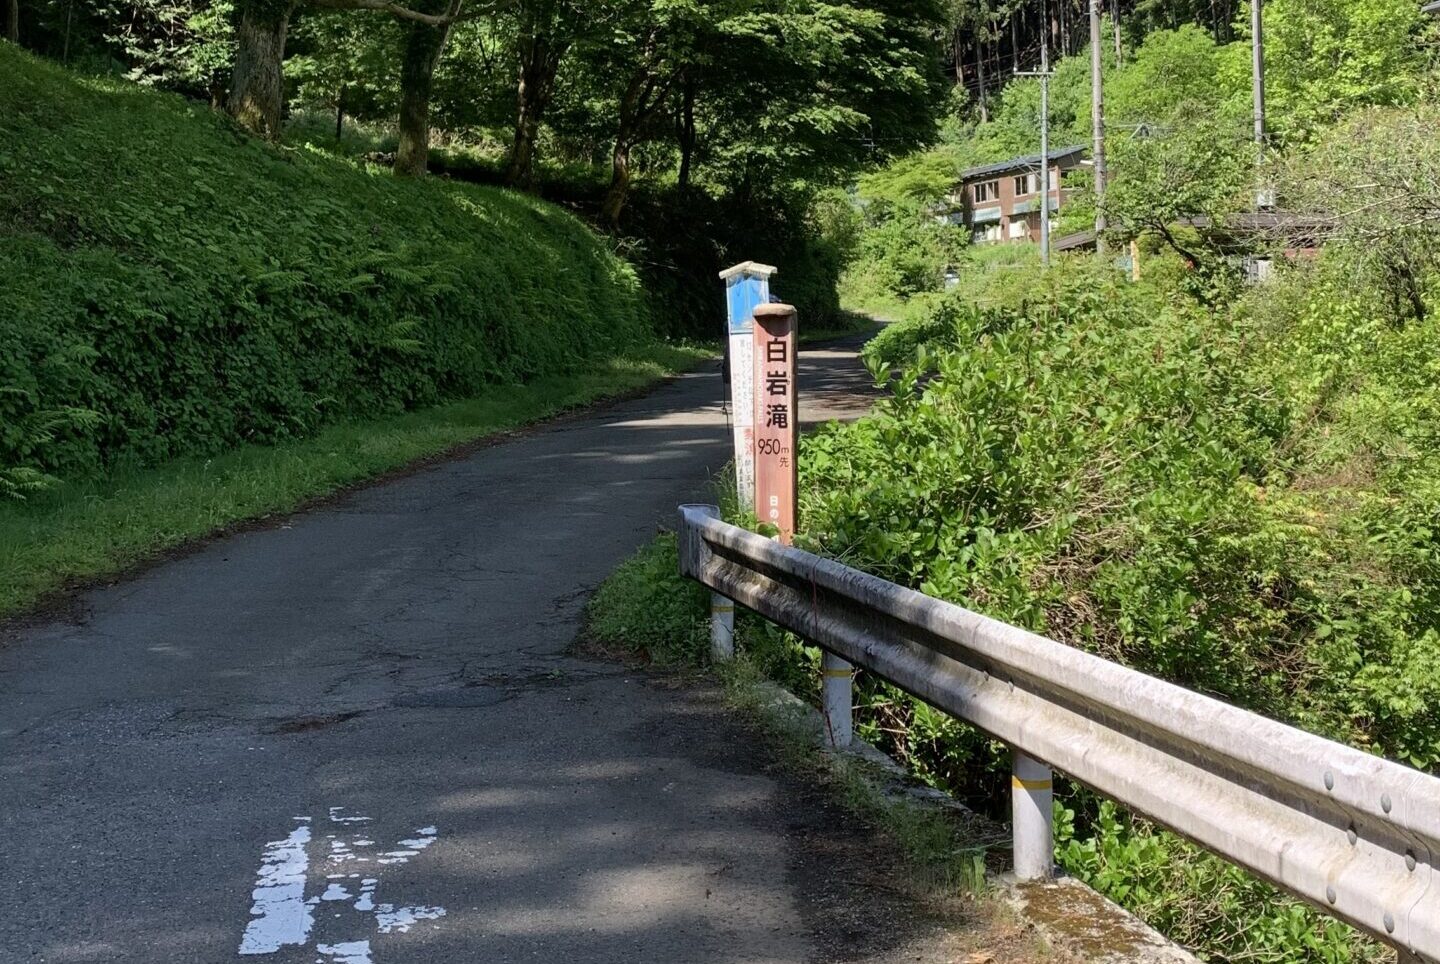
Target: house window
{"type": "Point", "coordinates": [1027, 184]}
{"type": "Point", "coordinates": [987, 191]}
{"type": "Point", "coordinates": [1017, 229]}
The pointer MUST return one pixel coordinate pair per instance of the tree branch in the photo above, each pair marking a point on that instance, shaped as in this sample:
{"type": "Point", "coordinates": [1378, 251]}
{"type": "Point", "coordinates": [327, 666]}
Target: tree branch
{"type": "Point", "coordinates": [404, 13]}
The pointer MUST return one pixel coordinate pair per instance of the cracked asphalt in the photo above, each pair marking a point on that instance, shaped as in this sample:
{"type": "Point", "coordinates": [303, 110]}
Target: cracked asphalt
{"type": "Point", "coordinates": [357, 736]}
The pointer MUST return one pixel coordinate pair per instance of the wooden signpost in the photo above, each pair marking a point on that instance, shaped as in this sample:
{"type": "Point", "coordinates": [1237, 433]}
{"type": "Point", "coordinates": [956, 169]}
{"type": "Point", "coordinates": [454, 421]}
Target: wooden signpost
{"type": "Point", "coordinates": [762, 352]}
{"type": "Point", "coordinates": [776, 419]}
{"type": "Point", "coordinates": [747, 286]}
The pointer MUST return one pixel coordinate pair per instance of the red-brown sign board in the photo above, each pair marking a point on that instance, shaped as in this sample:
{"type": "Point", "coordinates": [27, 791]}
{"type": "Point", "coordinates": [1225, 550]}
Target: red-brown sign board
{"type": "Point", "coordinates": [776, 422]}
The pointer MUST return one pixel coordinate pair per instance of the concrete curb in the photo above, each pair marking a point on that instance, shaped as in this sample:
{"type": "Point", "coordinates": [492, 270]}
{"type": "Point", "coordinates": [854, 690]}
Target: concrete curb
{"type": "Point", "coordinates": [1068, 915]}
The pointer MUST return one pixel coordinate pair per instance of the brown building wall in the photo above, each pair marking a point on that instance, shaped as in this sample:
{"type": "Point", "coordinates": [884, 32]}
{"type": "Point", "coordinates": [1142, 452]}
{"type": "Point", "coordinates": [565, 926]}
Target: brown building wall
{"type": "Point", "coordinates": [1008, 199]}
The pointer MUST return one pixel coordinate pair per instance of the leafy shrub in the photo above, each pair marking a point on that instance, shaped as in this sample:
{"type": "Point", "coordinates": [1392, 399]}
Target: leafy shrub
{"type": "Point", "coordinates": [1199, 900]}
{"type": "Point", "coordinates": [901, 252]}
{"type": "Point", "coordinates": [646, 605]}
{"type": "Point", "coordinates": [680, 239]}
{"type": "Point", "coordinates": [1244, 501]}
{"type": "Point", "coordinates": [173, 287]}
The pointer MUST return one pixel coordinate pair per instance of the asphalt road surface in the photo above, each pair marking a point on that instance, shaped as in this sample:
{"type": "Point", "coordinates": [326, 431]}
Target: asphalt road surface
{"type": "Point", "coordinates": [355, 736]}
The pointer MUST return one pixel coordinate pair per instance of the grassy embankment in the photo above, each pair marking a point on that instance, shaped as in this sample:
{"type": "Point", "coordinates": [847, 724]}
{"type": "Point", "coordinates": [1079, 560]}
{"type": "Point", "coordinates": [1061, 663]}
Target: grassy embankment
{"type": "Point", "coordinates": [200, 328]}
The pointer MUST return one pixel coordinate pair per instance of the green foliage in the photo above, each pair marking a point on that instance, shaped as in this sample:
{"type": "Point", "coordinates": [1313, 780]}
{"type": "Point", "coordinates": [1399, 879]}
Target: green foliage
{"type": "Point", "coordinates": [921, 178]}
{"type": "Point", "coordinates": [1175, 71]}
{"type": "Point", "coordinates": [344, 62]}
{"type": "Point", "coordinates": [1325, 58]}
{"type": "Point", "coordinates": [84, 529]}
{"type": "Point", "coordinates": [1134, 864]}
{"type": "Point", "coordinates": [682, 239]}
{"type": "Point", "coordinates": [679, 240]}
{"type": "Point", "coordinates": [1371, 184]}
{"type": "Point", "coordinates": [646, 606]}
{"type": "Point", "coordinates": [788, 91]}
{"type": "Point", "coordinates": [1241, 500]}
{"type": "Point", "coordinates": [1168, 179]}
{"type": "Point", "coordinates": [904, 254]}
{"type": "Point", "coordinates": [192, 289]}
{"type": "Point", "coordinates": [177, 44]}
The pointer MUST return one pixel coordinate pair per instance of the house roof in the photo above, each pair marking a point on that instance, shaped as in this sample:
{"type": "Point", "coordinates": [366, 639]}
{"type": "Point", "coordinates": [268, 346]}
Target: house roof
{"type": "Point", "coordinates": [1074, 242]}
{"type": "Point", "coordinates": [1265, 221]}
{"type": "Point", "coordinates": [1298, 229]}
{"type": "Point", "coordinates": [1026, 163]}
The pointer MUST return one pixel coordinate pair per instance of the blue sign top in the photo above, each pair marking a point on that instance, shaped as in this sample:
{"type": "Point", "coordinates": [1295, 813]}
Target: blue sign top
{"type": "Point", "coordinates": [746, 286]}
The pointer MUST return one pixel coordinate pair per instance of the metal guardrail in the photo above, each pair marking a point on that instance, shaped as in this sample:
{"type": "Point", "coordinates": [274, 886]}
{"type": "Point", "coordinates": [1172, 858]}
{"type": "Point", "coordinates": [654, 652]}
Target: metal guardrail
{"type": "Point", "coordinates": [1354, 834]}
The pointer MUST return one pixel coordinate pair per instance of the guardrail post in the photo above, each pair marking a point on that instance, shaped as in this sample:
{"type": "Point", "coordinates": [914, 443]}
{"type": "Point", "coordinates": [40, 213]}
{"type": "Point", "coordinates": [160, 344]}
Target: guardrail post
{"type": "Point", "coordinates": [837, 682]}
{"type": "Point", "coordinates": [1031, 793]}
{"type": "Point", "coordinates": [722, 608]}
{"type": "Point", "coordinates": [722, 627]}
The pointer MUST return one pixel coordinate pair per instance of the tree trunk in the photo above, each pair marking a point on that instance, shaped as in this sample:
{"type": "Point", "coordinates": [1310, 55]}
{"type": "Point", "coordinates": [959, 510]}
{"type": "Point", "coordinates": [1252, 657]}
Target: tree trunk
{"type": "Point", "coordinates": [339, 113]}
{"type": "Point", "coordinates": [644, 95]}
{"type": "Point", "coordinates": [12, 21]}
{"type": "Point", "coordinates": [1115, 21]}
{"type": "Point", "coordinates": [423, 48]}
{"type": "Point", "coordinates": [980, 78]}
{"type": "Point", "coordinates": [257, 88]}
{"type": "Point", "coordinates": [687, 135]}
{"type": "Point", "coordinates": [520, 168]}
{"type": "Point", "coordinates": [540, 55]}
{"type": "Point", "coordinates": [614, 201]}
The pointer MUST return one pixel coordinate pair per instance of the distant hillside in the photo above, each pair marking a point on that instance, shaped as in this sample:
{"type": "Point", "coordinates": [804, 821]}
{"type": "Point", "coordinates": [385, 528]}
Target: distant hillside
{"type": "Point", "coordinates": [174, 286]}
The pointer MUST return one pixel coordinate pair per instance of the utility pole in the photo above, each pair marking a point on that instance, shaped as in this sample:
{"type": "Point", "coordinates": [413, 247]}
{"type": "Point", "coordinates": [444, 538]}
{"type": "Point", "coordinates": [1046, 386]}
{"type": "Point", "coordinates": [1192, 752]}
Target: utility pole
{"type": "Point", "coordinates": [1045, 153]}
{"type": "Point", "coordinates": [1044, 74]}
{"type": "Point", "coordinates": [1264, 197]}
{"type": "Point", "coordinates": [1097, 121]}
{"type": "Point", "coordinates": [1257, 43]}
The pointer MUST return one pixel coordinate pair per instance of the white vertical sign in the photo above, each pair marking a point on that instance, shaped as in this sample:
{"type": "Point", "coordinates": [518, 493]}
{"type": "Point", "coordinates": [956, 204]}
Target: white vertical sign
{"type": "Point", "coordinates": [747, 285]}
{"type": "Point", "coordinates": [742, 405]}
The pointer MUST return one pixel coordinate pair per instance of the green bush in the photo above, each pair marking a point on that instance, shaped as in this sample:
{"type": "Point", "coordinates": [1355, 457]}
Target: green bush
{"type": "Point", "coordinates": [646, 606]}
{"type": "Point", "coordinates": [901, 252]}
{"type": "Point", "coordinates": [1199, 900]}
{"type": "Point", "coordinates": [680, 239]}
{"type": "Point", "coordinates": [1244, 501]}
{"type": "Point", "coordinates": [175, 287]}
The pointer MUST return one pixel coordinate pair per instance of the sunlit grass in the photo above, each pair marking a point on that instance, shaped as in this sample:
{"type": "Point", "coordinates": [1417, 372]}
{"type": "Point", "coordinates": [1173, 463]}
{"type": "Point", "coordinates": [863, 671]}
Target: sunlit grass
{"type": "Point", "coordinates": [87, 530]}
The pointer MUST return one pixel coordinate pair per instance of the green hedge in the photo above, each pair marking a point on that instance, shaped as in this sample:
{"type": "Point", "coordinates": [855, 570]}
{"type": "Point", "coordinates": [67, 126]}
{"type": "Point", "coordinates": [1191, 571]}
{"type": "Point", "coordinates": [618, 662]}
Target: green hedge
{"type": "Point", "coordinates": [173, 286]}
{"type": "Point", "coordinates": [1242, 499]}
{"type": "Point", "coordinates": [680, 239]}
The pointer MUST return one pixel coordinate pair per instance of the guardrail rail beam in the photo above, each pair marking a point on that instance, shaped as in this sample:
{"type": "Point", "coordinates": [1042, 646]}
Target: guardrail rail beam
{"type": "Point", "coordinates": [1354, 834]}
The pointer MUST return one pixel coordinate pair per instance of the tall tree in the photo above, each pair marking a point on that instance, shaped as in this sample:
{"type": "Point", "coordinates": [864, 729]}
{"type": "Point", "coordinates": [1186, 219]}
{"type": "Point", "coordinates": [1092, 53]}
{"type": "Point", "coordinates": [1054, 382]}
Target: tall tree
{"type": "Point", "coordinates": [769, 93]}
{"type": "Point", "coordinates": [686, 134]}
{"type": "Point", "coordinates": [257, 88]}
{"type": "Point", "coordinates": [650, 48]}
{"type": "Point", "coordinates": [424, 45]}
{"type": "Point", "coordinates": [257, 84]}
{"type": "Point", "coordinates": [544, 32]}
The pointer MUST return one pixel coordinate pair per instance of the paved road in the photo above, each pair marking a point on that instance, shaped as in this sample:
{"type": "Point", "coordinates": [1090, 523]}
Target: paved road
{"type": "Point", "coordinates": [356, 737]}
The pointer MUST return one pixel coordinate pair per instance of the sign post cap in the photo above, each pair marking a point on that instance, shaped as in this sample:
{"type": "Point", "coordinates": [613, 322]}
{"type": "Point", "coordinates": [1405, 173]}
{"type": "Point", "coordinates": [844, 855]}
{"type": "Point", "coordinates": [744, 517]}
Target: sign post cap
{"type": "Point", "coordinates": [754, 268]}
{"type": "Point", "coordinates": [773, 309]}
